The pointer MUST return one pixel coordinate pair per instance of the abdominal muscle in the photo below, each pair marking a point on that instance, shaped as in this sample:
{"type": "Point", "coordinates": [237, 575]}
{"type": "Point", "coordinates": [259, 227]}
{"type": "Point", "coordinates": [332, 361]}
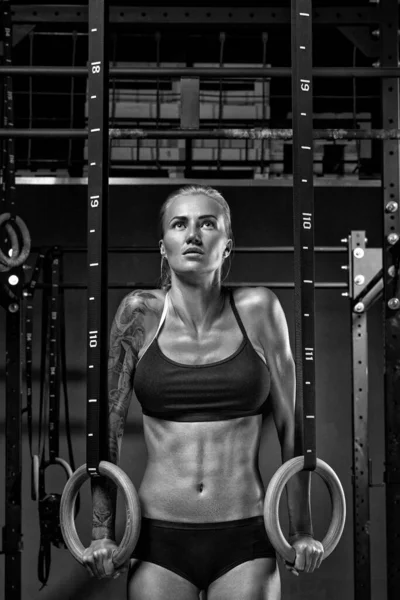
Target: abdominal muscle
{"type": "Point", "coordinates": [202, 471]}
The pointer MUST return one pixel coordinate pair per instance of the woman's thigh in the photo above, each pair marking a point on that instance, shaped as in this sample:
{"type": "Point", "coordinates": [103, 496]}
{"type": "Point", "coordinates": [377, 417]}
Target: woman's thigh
{"type": "Point", "coordinates": [147, 581]}
{"type": "Point", "coordinates": [254, 580]}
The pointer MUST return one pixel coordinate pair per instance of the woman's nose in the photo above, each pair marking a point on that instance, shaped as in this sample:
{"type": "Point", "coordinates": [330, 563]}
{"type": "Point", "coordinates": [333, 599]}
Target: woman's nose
{"type": "Point", "coordinates": [193, 234]}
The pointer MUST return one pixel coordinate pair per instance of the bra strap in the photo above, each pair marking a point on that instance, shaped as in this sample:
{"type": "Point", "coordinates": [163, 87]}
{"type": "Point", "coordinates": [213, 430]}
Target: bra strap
{"type": "Point", "coordinates": [163, 315]}
{"type": "Point", "coordinates": [235, 312]}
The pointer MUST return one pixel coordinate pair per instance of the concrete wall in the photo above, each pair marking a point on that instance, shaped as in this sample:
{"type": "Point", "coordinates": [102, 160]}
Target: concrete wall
{"type": "Point", "coordinates": [261, 216]}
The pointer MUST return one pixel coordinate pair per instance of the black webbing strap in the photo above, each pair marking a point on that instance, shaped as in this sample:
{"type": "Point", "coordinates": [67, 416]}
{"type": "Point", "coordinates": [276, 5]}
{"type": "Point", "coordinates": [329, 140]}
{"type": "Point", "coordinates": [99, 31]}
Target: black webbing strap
{"type": "Point", "coordinates": [63, 372]}
{"type": "Point", "coordinates": [28, 333]}
{"type": "Point", "coordinates": [97, 235]}
{"type": "Point", "coordinates": [8, 162]}
{"type": "Point", "coordinates": [50, 396]}
{"type": "Point", "coordinates": [44, 357]}
{"type": "Point", "coordinates": [303, 219]}
{"type": "Point", "coordinates": [54, 357]}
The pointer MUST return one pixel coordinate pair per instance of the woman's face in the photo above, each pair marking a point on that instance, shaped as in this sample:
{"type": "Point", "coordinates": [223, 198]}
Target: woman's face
{"type": "Point", "coordinates": [195, 221]}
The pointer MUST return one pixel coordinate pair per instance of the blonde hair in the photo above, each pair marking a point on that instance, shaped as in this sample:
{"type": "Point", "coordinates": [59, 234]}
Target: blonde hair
{"type": "Point", "coordinates": [192, 190]}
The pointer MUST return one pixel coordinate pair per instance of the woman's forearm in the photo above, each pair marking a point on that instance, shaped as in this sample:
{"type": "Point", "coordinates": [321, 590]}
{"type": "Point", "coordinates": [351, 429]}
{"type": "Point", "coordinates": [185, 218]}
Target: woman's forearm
{"type": "Point", "coordinates": [104, 491]}
{"type": "Point", "coordinates": [104, 498]}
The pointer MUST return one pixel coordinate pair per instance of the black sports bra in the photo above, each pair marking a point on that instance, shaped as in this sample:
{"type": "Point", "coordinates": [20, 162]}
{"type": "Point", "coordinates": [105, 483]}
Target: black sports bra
{"type": "Point", "coordinates": [237, 386]}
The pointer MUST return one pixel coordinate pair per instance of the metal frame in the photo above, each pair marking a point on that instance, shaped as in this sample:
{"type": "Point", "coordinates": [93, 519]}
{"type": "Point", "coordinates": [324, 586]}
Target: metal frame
{"type": "Point", "coordinates": [204, 134]}
{"type": "Point", "coordinates": [339, 15]}
{"type": "Point", "coordinates": [207, 72]}
{"type": "Point", "coordinates": [12, 529]}
{"type": "Point", "coordinates": [365, 287]}
{"type": "Point", "coordinates": [391, 219]}
{"type": "Point", "coordinates": [176, 182]}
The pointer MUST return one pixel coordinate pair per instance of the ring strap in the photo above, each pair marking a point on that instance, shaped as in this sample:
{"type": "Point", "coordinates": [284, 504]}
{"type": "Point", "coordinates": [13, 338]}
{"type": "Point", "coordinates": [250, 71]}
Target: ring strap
{"type": "Point", "coordinates": [28, 333]}
{"type": "Point", "coordinates": [54, 357]}
{"type": "Point", "coordinates": [303, 221]}
{"type": "Point", "coordinates": [97, 236]}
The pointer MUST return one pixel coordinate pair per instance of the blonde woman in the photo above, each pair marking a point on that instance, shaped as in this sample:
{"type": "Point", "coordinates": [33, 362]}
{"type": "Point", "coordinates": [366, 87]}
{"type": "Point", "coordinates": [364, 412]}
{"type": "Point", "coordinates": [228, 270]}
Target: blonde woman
{"type": "Point", "coordinates": [209, 365]}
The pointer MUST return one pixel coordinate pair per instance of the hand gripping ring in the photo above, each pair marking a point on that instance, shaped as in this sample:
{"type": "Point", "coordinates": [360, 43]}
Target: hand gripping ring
{"type": "Point", "coordinates": [18, 256]}
{"type": "Point", "coordinates": [271, 507]}
{"type": "Point", "coordinates": [132, 525]}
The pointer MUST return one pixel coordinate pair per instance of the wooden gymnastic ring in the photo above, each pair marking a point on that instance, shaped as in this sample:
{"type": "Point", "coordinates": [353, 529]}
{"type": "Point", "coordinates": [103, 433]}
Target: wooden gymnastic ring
{"type": "Point", "coordinates": [14, 242]}
{"type": "Point", "coordinates": [132, 525]}
{"type": "Point", "coordinates": [271, 507]}
{"type": "Point", "coordinates": [65, 465]}
{"type": "Point", "coordinates": [22, 255]}
{"type": "Point", "coordinates": [35, 474]}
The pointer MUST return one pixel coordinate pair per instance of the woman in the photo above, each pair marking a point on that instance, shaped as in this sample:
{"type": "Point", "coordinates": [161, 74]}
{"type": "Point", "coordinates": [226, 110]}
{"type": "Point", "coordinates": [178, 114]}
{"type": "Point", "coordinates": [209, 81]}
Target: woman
{"type": "Point", "coordinates": [208, 366]}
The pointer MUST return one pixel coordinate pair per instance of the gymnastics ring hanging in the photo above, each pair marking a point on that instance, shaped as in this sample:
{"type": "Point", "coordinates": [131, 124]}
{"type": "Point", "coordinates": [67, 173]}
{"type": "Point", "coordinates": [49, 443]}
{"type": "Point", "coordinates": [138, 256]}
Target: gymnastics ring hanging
{"type": "Point", "coordinates": [18, 256]}
{"type": "Point", "coordinates": [132, 525]}
{"type": "Point", "coordinates": [97, 307]}
{"type": "Point", "coordinates": [35, 473]}
{"type": "Point", "coordinates": [303, 212]}
{"type": "Point", "coordinates": [273, 496]}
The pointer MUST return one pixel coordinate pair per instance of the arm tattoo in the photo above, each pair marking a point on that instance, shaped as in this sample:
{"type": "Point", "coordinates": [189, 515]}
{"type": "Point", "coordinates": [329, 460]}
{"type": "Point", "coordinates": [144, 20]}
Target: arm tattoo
{"type": "Point", "coordinates": [126, 339]}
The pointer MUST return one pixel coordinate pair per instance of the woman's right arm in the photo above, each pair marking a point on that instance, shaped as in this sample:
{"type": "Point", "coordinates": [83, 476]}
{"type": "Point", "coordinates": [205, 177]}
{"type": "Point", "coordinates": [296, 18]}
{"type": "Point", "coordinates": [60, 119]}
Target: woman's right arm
{"type": "Point", "coordinates": [126, 339]}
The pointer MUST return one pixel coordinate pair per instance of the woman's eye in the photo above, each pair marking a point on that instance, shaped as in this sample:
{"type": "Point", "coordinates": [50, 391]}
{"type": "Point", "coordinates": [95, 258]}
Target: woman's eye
{"type": "Point", "coordinates": [204, 223]}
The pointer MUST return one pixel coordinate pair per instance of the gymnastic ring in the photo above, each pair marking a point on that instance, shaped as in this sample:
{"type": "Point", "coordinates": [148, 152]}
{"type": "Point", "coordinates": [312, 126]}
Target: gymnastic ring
{"type": "Point", "coordinates": [132, 525]}
{"type": "Point", "coordinates": [35, 478]}
{"type": "Point", "coordinates": [14, 246]}
{"type": "Point", "coordinates": [65, 465]}
{"type": "Point", "coordinates": [16, 261]}
{"type": "Point", "coordinates": [271, 507]}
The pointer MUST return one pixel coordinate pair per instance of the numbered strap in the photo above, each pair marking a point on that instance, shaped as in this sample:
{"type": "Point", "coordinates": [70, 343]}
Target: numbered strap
{"type": "Point", "coordinates": [97, 237]}
{"type": "Point", "coordinates": [54, 358]}
{"type": "Point", "coordinates": [8, 175]}
{"type": "Point", "coordinates": [303, 219]}
{"type": "Point", "coordinates": [28, 333]}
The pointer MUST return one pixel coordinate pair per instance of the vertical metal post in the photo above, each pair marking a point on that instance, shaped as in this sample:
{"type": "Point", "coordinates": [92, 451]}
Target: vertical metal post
{"type": "Point", "coordinates": [358, 276]}
{"type": "Point", "coordinates": [12, 531]}
{"type": "Point", "coordinates": [97, 236]}
{"type": "Point", "coordinates": [391, 221]}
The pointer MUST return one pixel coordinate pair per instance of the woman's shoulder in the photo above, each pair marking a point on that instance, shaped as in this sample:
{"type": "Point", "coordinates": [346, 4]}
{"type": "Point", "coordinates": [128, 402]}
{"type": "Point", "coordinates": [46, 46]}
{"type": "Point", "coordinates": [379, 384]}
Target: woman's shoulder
{"type": "Point", "coordinates": [255, 298]}
{"type": "Point", "coordinates": [147, 303]}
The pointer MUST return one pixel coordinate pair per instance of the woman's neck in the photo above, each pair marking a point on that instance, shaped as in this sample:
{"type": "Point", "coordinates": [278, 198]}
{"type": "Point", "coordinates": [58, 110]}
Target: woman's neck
{"type": "Point", "coordinates": [196, 308]}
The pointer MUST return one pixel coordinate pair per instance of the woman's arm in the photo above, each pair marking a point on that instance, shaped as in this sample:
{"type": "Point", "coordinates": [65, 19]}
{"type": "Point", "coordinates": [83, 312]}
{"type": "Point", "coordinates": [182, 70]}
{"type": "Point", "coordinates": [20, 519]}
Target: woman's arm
{"type": "Point", "coordinates": [126, 339]}
{"type": "Point", "coordinates": [283, 397]}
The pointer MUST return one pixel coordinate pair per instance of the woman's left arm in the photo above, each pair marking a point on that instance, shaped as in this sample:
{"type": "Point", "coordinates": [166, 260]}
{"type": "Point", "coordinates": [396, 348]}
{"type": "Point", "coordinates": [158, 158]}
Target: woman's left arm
{"type": "Point", "coordinates": [276, 343]}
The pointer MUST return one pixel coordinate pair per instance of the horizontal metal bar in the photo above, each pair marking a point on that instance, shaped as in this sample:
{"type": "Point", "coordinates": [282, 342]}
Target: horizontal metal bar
{"type": "Point", "coordinates": [204, 15]}
{"type": "Point", "coordinates": [205, 72]}
{"type": "Point", "coordinates": [203, 95]}
{"type": "Point", "coordinates": [145, 286]}
{"type": "Point", "coordinates": [271, 181]}
{"type": "Point", "coordinates": [238, 250]}
{"type": "Point", "coordinates": [206, 134]}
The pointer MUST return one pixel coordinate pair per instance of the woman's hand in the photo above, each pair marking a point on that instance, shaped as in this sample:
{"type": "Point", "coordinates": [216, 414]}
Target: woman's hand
{"type": "Point", "coordinates": [98, 559]}
{"type": "Point", "coordinates": [309, 554]}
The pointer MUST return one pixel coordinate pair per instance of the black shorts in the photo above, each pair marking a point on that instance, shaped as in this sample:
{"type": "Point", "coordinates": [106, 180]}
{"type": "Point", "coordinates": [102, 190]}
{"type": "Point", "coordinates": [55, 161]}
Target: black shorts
{"type": "Point", "coordinates": [202, 552]}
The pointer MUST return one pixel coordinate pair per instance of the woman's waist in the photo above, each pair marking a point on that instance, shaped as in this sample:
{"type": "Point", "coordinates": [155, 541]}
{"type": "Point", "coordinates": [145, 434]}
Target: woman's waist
{"type": "Point", "coordinates": [201, 499]}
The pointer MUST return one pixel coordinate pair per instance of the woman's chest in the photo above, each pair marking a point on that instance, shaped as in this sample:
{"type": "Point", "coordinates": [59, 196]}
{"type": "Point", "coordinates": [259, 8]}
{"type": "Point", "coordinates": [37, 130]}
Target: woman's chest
{"type": "Point", "coordinates": [210, 347]}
